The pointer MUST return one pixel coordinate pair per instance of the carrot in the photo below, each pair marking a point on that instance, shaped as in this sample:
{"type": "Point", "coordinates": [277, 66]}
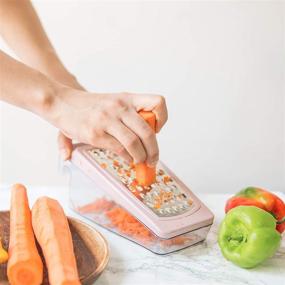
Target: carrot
{"type": "Point", "coordinates": [24, 265]}
{"type": "Point", "coordinates": [180, 240]}
{"type": "Point", "coordinates": [150, 118]}
{"type": "Point", "coordinates": [53, 234]}
{"type": "Point", "coordinates": [166, 179]}
{"type": "Point", "coordinates": [100, 205]}
{"type": "Point", "coordinates": [128, 225]}
{"type": "Point", "coordinates": [3, 254]}
{"type": "Point", "coordinates": [146, 175]}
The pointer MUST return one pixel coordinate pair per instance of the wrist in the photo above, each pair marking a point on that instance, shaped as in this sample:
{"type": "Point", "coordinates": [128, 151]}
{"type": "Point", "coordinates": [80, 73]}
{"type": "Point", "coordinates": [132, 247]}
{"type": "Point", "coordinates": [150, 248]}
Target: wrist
{"type": "Point", "coordinates": [63, 76]}
{"type": "Point", "coordinates": [54, 69]}
{"type": "Point", "coordinates": [45, 99]}
{"type": "Point", "coordinates": [56, 100]}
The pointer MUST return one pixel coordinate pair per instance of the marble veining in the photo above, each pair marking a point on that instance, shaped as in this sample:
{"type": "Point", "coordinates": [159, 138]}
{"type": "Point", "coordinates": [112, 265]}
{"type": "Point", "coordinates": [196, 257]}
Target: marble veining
{"type": "Point", "coordinates": [203, 263]}
{"type": "Point", "coordinates": [200, 264]}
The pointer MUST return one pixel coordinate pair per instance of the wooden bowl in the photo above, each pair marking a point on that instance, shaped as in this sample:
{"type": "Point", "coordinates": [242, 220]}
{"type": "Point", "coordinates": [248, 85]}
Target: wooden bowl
{"type": "Point", "coordinates": [90, 247]}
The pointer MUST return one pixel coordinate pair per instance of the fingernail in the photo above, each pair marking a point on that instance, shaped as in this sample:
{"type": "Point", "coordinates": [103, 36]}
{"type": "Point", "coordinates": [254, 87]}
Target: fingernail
{"type": "Point", "coordinates": [64, 154]}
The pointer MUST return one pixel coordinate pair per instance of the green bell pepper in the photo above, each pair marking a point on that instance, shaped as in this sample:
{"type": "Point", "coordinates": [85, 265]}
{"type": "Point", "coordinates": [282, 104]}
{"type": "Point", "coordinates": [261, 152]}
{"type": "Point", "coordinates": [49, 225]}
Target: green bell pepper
{"type": "Point", "coordinates": [247, 236]}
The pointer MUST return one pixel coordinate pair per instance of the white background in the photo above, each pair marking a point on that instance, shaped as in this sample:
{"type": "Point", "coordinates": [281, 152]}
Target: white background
{"type": "Point", "coordinates": [221, 66]}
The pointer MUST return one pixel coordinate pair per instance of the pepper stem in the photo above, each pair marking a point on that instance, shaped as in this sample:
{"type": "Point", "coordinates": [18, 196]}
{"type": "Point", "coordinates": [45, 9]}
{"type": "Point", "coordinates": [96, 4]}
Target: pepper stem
{"type": "Point", "coordinates": [281, 221]}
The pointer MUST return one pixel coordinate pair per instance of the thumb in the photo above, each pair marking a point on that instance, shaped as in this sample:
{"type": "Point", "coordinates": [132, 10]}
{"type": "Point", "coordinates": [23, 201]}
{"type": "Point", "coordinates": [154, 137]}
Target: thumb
{"type": "Point", "coordinates": [65, 146]}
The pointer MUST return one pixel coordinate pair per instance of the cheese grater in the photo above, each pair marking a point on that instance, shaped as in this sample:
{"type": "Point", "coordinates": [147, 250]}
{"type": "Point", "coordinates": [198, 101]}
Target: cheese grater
{"type": "Point", "coordinates": [163, 217]}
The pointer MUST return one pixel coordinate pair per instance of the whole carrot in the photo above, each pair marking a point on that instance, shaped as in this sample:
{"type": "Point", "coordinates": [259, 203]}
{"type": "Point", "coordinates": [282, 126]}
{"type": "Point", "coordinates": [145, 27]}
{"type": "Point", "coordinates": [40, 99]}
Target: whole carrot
{"type": "Point", "coordinates": [53, 234]}
{"type": "Point", "coordinates": [146, 175]}
{"type": "Point", "coordinates": [24, 264]}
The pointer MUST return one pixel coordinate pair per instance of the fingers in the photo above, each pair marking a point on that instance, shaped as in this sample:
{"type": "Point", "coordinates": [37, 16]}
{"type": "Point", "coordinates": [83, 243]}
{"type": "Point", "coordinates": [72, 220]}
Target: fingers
{"type": "Point", "coordinates": [160, 111]}
{"type": "Point", "coordinates": [146, 135]}
{"type": "Point", "coordinates": [154, 103]}
{"type": "Point", "coordinates": [64, 146]}
{"type": "Point", "coordinates": [117, 126]}
{"type": "Point", "coordinates": [129, 140]}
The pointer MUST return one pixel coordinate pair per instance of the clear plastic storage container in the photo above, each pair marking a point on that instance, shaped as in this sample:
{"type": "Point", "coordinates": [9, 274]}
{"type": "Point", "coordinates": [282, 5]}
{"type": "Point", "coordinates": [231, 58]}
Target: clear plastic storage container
{"type": "Point", "coordinates": [163, 218]}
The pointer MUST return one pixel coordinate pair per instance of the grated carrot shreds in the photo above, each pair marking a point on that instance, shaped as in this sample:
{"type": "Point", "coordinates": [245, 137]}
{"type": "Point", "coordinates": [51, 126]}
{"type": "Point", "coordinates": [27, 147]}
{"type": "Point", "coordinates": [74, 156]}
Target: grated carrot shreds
{"type": "Point", "coordinates": [119, 218]}
{"type": "Point", "coordinates": [180, 240]}
{"type": "Point", "coordinates": [103, 165]}
{"type": "Point", "coordinates": [125, 223]}
{"type": "Point", "coordinates": [166, 179]}
{"type": "Point", "coordinates": [97, 206]}
{"type": "Point", "coordinates": [116, 163]}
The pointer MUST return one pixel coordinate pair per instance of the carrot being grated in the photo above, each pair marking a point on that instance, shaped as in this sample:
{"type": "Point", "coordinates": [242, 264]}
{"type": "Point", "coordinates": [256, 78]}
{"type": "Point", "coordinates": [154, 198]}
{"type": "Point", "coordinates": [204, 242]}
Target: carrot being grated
{"type": "Point", "coordinates": [146, 175]}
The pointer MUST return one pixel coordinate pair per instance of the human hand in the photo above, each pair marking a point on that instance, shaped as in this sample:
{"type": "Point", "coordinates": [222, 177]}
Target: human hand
{"type": "Point", "coordinates": [109, 121]}
{"type": "Point", "coordinates": [59, 73]}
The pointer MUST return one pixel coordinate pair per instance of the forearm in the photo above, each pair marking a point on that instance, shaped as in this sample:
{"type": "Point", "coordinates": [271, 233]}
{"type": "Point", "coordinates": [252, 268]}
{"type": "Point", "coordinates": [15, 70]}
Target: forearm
{"type": "Point", "coordinates": [21, 28]}
{"type": "Point", "coordinates": [25, 87]}
{"type": "Point", "coordinates": [103, 120]}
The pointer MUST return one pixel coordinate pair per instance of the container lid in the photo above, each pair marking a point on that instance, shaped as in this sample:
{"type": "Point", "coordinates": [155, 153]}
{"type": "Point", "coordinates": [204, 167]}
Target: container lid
{"type": "Point", "coordinates": [167, 207]}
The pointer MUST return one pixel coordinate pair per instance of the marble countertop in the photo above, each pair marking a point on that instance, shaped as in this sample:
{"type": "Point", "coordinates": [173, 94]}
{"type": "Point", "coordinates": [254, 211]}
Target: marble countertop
{"type": "Point", "coordinates": [200, 264]}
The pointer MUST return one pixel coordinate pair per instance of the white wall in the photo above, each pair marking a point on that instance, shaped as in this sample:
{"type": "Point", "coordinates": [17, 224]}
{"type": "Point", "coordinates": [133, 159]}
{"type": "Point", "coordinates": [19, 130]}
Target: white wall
{"type": "Point", "coordinates": [220, 65]}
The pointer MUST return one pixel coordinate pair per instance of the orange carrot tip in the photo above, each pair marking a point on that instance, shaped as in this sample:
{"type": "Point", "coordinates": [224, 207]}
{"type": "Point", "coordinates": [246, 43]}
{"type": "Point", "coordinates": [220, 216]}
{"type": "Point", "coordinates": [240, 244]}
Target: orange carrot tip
{"type": "Point", "coordinates": [24, 264]}
{"type": "Point", "coordinates": [146, 175]}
